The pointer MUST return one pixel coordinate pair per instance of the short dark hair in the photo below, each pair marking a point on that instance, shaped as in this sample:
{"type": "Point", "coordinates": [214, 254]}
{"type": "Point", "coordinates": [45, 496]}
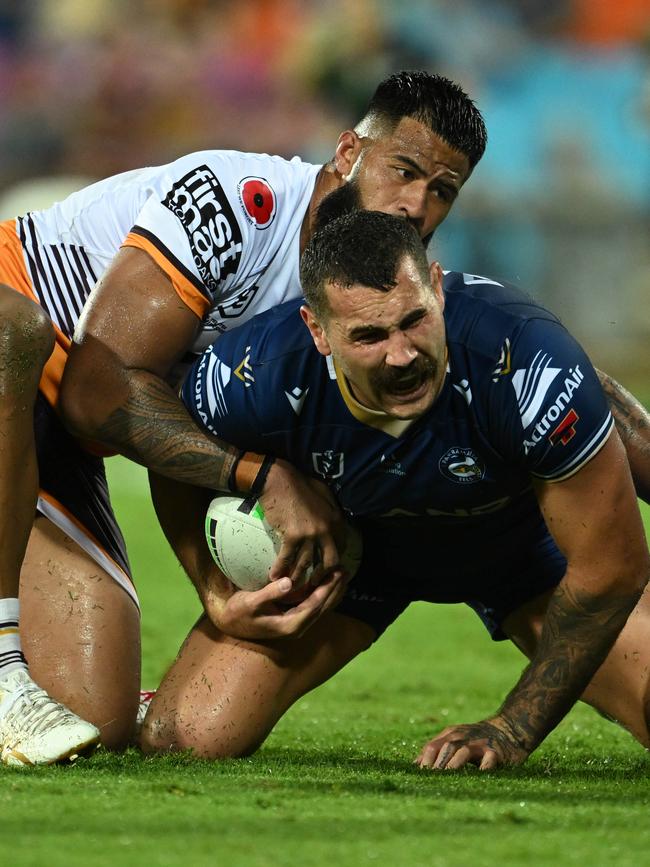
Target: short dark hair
{"type": "Point", "coordinates": [362, 247]}
{"type": "Point", "coordinates": [435, 101]}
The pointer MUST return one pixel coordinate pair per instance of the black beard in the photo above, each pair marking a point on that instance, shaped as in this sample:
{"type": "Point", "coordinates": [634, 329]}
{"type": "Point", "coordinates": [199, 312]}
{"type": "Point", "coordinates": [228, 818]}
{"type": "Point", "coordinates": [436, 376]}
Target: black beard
{"type": "Point", "coordinates": [343, 200]}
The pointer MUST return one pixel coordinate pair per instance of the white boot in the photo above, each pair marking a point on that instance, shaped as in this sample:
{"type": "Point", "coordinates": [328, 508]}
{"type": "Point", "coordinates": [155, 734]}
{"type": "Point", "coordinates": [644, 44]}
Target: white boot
{"type": "Point", "coordinates": [35, 729]}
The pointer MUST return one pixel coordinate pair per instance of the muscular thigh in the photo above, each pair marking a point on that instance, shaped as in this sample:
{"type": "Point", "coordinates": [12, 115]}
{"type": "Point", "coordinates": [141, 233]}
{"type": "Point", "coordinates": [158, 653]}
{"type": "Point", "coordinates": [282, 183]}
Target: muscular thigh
{"type": "Point", "coordinates": [80, 632]}
{"type": "Point", "coordinates": [223, 696]}
{"type": "Point", "coordinates": [620, 689]}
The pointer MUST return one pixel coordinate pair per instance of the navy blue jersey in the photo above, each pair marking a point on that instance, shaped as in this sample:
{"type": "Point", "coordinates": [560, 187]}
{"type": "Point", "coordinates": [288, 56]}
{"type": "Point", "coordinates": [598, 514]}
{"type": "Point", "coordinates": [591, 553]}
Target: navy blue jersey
{"type": "Point", "coordinates": [520, 401]}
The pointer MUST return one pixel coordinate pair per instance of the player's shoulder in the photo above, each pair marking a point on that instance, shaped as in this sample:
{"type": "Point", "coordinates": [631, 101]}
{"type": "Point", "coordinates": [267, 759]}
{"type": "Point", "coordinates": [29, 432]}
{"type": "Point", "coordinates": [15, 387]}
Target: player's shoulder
{"type": "Point", "coordinates": [476, 296]}
{"type": "Point", "coordinates": [237, 172]}
{"type": "Point", "coordinates": [232, 187]}
{"type": "Point", "coordinates": [274, 339]}
{"type": "Point", "coordinates": [279, 335]}
{"type": "Point", "coordinates": [481, 312]}
{"type": "Point", "coordinates": [269, 357]}
{"type": "Point", "coordinates": [225, 223]}
{"type": "Point", "coordinates": [237, 159]}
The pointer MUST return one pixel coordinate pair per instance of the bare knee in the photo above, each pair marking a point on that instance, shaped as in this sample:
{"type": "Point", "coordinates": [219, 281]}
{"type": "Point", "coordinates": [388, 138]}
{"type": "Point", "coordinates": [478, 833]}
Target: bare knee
{"type": "Point", "coordinates": [26, 340]}
{"type": "Point", "coordinates": [165, 734]}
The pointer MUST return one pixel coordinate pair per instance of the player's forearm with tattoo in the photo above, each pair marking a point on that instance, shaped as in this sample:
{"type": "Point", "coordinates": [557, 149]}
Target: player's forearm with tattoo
{"type": "Point", "coordinates": [579, 630]}
{"type": "Point", "coordinates": [153, 427]}
{"type": "Point", "coordinates": [633, 425]}
{"type": "Point", "coordinates": [115, 389]}
{"type": "Point", "coordinates": [595, 520]}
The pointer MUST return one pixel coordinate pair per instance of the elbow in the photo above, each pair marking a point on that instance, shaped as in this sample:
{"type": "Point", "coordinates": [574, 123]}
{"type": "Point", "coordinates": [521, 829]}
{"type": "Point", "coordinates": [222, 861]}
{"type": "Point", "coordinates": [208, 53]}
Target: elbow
{"type": "Point", "coordinates": [623, 581]}
{"type": "Point", "coordinates": [643, 575]}
{"type": "Point", "coordinates": [634, 574]}
{"type": "Point", "coordinates": [80, 404]}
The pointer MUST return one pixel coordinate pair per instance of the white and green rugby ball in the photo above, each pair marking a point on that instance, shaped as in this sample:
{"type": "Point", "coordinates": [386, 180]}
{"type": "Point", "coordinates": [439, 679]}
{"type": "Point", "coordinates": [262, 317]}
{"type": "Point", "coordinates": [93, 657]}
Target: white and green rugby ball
{"type": "Point", "coordinates": [244, 546]}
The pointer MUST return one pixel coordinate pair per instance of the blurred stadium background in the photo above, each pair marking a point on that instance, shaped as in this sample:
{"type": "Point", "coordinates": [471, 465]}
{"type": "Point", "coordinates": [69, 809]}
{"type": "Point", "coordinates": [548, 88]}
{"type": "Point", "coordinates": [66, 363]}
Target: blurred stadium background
{"type": "Point", "coordinates": [560, 203]}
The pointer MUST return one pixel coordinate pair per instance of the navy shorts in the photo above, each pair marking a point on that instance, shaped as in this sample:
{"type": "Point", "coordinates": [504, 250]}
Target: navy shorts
{"type": "Point", "coordinates": [494, 575]}
{"type": "Point", "coordinates": [73, 494]}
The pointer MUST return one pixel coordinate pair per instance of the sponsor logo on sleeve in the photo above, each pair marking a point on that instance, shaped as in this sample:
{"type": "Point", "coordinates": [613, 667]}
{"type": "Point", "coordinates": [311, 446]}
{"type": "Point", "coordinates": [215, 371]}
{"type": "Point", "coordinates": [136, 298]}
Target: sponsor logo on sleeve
{"type": "Point", "coordinates": [199, 202]}
{"type": "Point", "coordinates": [461, 465]}
{"type": "Point", "coordinates": [566, 429]}
{"type": "Point", "coordinates": [328, 464]}
{"type": "Point", "coordinates": [258, 201]}
{"type": "Point", "coordinates": [211, 380]}
{"type": "Point", "coordinates": [542, 427]}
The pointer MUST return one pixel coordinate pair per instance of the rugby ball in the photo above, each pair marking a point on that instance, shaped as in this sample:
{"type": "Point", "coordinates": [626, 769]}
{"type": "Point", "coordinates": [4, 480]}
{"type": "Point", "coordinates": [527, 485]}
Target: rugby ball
{"type": "Point", "coordinates": [244, 546]}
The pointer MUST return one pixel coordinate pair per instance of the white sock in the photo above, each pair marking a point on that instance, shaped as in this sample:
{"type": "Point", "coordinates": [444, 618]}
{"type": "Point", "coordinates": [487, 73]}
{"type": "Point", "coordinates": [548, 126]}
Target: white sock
{"type": "Point", "coordinates": [11, 655]}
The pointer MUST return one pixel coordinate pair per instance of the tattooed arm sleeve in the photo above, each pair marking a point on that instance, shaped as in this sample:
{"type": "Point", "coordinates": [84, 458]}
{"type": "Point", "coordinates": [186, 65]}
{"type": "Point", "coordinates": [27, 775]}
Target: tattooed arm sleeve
{"type": "Point", "coordinates": [153, 428]}
{"type": "Point", "coordinates": [587, 498]}
{"type": "Point", "coordinates": [633, 425]}
{"type": "Point", "coordinates": [133, 331]}
{"type": "Point", "coordinates": [595, 520]}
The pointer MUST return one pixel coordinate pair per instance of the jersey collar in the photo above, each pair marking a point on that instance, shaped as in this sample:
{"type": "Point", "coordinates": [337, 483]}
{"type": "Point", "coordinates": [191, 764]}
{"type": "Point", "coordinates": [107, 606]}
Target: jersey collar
{"type": "Point", "coordinates": [394, 427]}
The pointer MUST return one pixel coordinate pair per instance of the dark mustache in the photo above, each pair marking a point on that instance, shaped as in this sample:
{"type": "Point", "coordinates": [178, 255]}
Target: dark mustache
{"type": "Point", "coordinates": [405, 378]}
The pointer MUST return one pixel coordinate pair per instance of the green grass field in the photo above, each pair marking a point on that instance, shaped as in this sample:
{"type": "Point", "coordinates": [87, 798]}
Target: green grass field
{"type": "Point", "coordinates": [334, 783]}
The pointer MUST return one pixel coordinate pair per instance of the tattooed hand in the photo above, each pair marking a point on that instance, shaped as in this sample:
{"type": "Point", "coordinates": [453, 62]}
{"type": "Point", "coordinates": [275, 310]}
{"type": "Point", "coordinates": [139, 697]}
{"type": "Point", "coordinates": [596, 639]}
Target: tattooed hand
{"type": "Point", "coordinates": [488, 744]}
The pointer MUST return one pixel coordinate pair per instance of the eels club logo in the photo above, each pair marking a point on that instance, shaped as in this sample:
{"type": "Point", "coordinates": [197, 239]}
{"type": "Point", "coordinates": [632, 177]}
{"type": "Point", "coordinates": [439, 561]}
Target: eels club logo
{"type": "Point", "coordinates": [461, 465]}
{"type": "Point", "coordinates": [258, 201]}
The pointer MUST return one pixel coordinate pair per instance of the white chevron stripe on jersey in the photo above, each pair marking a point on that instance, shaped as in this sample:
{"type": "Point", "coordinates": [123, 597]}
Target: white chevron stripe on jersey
{"type": "Point", "coordinates": [216, 379]}
{"type": "Point", "coordinates": [524, 380]}
{"type": "Point", "coordinates": [60, 273]}
{"type": "Point", "coordinates": [531, 386]}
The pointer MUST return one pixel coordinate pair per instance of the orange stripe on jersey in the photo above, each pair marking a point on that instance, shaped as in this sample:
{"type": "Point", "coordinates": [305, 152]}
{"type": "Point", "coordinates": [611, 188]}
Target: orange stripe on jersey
{"type": "Point", "coordinates": [12, 262]}
{"type": "Point", "coordinates": [50, 383]}
{"type": "Point", "coordinates": [10, 630]}
{"type": "Point", "coordinates": [187, 291]}
{"type": "Point", "coordinates": [61, 508]}
{"type": "Point", "coordinates": [13, 272]}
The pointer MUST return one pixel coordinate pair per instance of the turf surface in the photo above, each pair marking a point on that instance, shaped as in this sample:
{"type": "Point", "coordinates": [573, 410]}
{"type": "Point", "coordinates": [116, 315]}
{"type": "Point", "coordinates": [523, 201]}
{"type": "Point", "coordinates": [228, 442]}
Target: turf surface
{"type": "Point", "coordinates": [334, 783]}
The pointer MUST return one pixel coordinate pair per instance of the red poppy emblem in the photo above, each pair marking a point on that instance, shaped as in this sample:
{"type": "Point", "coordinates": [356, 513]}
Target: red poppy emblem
{"type": "Point", "coordinates": [258, 200]}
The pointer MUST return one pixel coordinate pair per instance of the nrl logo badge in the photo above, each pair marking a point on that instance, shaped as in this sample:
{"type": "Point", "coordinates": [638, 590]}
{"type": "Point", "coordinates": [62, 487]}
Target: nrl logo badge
{"type": "Point", "coordinates": [328, 464]}
{"type": "Point", "coordinates": [461, 465]}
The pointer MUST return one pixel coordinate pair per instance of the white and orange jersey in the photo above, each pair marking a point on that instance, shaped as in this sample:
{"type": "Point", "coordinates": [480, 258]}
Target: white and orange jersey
{"type": "Point", "coordinates": [223, 225]}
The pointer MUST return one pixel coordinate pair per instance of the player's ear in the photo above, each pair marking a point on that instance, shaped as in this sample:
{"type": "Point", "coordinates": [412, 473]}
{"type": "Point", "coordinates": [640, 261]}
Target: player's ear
{"type": "Point", "coordinates": [435, 272]}
{"type": "Point", "coordinates": [348, 148]}
{"type": "Point", "coordinates": [317, 333]}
